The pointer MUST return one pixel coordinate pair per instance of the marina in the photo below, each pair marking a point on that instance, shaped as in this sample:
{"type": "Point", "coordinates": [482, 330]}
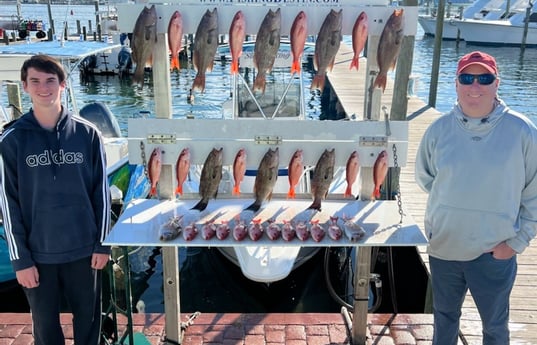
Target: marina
{"type": "Point", "coordinates": [419, 115]}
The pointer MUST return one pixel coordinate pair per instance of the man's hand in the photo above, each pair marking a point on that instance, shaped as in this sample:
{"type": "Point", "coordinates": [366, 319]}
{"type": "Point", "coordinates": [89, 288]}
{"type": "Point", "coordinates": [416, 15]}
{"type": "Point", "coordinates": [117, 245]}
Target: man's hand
{"type": "Point", "coordinates": [503, 252]}
{"type": "Point", "coordinates": [28, 277]}
{"type": "Point", "coordinates": [98, 261]}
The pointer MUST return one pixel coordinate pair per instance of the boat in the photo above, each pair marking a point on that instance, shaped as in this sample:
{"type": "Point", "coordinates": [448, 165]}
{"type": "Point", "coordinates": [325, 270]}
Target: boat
{"type": "Point", "coordinates": [478, 10]}
{"type": "Point", "coordinates": [509, 30]}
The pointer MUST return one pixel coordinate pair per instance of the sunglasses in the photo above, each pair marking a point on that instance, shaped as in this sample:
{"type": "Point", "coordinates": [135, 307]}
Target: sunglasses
{"type": "Point", "coordinates": [482, 79]}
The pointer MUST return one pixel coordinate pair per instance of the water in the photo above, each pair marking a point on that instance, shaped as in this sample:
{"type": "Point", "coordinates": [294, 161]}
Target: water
{"type": "Point", "coordinates": [208, 281]}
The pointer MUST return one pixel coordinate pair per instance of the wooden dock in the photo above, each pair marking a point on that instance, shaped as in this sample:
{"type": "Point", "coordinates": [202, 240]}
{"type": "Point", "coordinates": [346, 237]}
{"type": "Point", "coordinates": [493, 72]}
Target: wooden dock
{"type": "Point", "coordinates": [523, 315]}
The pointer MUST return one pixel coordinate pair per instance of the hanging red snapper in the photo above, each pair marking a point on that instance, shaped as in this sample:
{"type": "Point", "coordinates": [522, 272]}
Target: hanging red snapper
{"type": "Point", "coordinates": [390, 43]}
{"type": "Point", "coordinates": [380, 169]}
{"type": "Point", "coordinates": [299, 33]}
{"type": "Point", "coordinates": [182, 166]}
{"type": "Point", "coordinates": [237, 33]}
{"type": "Point", "coordinates": [295, 170]}
{"type": "Point", "coordinates": [175, 38]}
{"type": "Point", "coordinates": [351, 172]}
{"type": "Point", "coordinates": [239, 169]}
{"type": "Point", "coordinates": [154, 169]}
{"type": "Point", "coordinates": [359, 38]}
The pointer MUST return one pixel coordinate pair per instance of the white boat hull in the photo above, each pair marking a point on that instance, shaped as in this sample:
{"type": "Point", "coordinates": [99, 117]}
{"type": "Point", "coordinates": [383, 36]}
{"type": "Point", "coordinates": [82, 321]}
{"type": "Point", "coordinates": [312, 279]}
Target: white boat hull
{"type": "Point", "coordinates": [449, 32]}
{"type": "Point", "coordinates": [496, 33]}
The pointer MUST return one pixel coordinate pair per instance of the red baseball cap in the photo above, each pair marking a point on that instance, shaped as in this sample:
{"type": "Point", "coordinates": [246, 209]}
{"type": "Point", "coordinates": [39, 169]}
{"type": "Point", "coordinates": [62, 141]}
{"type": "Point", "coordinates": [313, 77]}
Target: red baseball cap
{"type": "Point", "coordinates": [478, 58]}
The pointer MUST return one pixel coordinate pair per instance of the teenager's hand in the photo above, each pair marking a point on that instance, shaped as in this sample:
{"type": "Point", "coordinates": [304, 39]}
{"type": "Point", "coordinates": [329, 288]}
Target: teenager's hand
{"type": "Point", "coordinates": [28, 277]}
{"type": "Point", "coordinates": [98, 261]}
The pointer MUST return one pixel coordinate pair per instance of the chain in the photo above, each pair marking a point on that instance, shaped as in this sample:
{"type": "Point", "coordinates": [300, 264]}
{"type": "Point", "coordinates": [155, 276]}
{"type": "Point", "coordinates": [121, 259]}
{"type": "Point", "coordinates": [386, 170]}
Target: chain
{"type": "Point", "coordinates": [144, 160]}
{"type": "Point", "coordinates": [398, 195]}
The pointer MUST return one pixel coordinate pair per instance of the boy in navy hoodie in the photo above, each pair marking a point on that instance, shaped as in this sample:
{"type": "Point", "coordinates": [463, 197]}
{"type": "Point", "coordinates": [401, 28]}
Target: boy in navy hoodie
{"type": "Point", "coordinates": [56, 205]}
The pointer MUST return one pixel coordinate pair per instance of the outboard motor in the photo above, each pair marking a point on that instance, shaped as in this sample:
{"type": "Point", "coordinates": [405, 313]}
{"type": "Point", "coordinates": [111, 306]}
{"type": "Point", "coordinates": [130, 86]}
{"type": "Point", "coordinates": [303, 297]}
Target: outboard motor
{"type": "Point", "coordinates": [124, 61]}
{"type": "Point", "coordinates": [100, 115]}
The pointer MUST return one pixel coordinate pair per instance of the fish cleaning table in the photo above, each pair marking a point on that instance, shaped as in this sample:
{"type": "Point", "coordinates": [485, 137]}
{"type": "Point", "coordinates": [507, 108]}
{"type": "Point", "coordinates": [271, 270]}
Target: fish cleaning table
{"type": "Point", "coordinates": [382, 222]}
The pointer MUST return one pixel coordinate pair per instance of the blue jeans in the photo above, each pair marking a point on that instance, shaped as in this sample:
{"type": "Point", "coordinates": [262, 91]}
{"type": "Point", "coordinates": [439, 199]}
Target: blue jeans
{"type": "Point", "coordinates": [489, 280]}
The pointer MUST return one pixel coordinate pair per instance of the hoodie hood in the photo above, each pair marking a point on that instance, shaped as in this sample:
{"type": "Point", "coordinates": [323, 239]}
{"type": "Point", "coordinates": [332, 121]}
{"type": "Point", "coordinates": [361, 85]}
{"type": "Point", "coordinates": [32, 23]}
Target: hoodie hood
{"type": "Point", "coordinates": [481, 125]}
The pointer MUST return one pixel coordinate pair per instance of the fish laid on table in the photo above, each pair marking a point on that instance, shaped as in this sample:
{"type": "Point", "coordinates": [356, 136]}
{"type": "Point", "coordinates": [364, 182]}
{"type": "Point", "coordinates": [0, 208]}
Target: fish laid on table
{"type": "Point", "coordinates": [190, 231]}
{"type": "Point", "coordinates": [240, 230]}
{"type": "Point", "coordinates": [302, 231]}
{"type": "Point", "coordinates": [323, 174]}
{"type": "Point", "coordinates": [208, 230]}
{"type": "Point", "coordinates": [288, 230]}
{"type": "Point", "coordinates": [255, 230]}
{"type": "Point", "coordinates": [326, 47]}
{"type": "Point", "coordinates": [144, 38]}
{"type": "Point", "coordinates": [298, 35]}
{"type": "Point", "coordinates": [237, 33]}
{"type": "Point", "coordinates": [295, 171]}
{"type": "Point", "coordinates": [239, 169]}
{"type": "Point", "coordinates": [353, 231]}
{"type": "Point", "coordinates": [223, 230]}
{"type": "Point", "coordinates": [380, 169]}
{"type": "Point", "coordinates": [359, 37]}
{"type": "Point", "coordinates": [182, 166]}
{"type": "Point", "coordinates": [334, 231]}
{"type": "Point", "coordinates": [273, 230]}
{"type": "Point", "coordinates": [211, 174]}
{"type": "Point", "coordinates": [317, 232]}
{"type": "Point", "coordinates": [265, 179]}
{"type": "Point", "coordinates": [351, 172]}
{"type": "Point", "coordinates": [389, 47]}
{"type": "Point", "coordinates": [154, 169]}
{"type": "Point", "coordinates": [205, 45]}
{"type": "Point", "coordinates": [171, 229]}
{"type": "Point", "coordinates": [175, 38]}
{"type": "Point", "coordinates": [266, 47]}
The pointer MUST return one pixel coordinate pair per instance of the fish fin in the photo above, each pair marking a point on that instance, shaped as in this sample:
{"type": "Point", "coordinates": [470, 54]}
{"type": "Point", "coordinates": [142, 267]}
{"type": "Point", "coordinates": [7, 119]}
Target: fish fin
{"type": "Point", "coordinates": [260, 83]}
{"type": "Point", "coordinates": [316, 205]}
{"type": "Point", "coordinates": [318, 82]}
{"type": "Point", "coordinates": [355, 63]}
{"type": "Point", "coordinates": [236, 190]}
{"type": "Point", "coordinates": [201, 205]}
{"type": "Point", "coordinates": [199, 82]}
{"type": "Point", "coordinates": [253, 207]}
{"type": "Point", "coordinates": [174, 63]}
{"type": "Point", "coordinates": [296, 66]}
{"type": "Point", "coordinates": [291, 194]}
{"type": "Point", "coordinates": [235, 67]}
{"type": "Point", "coordinates": [380, 81]}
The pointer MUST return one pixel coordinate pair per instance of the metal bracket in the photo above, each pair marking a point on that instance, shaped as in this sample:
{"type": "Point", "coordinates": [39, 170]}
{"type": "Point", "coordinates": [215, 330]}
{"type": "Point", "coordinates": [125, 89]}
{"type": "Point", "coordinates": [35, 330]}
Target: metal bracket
{"type": "Point", "coordinates": [373, 141]}
{"type": "Point", "coordinates": [161, 139]}
{"type": "Point", "coordinates": [268, 140]}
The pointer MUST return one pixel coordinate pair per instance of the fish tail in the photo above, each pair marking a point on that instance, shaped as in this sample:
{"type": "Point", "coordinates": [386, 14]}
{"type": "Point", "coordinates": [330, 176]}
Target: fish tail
{"type": "Point", "coordinates": [291, 194]}
{"type": "Point", "coordinates": [153, 191]}
{"type": "Point", "coordinates": [174, 63]}
{"type": "Point", "coordinates": [235, 67]}
{"type": "Point", "coordinates": [253, 207]}
{"type": "Point", "coordinates": [201, 205]}
{"type": "Point", "coordinates": [179, 190]}
{"type": "Point", "coordinates": [318, 82]}
{"type": "Point", "coordinates": [376, 193]}
{"type": "Point", "coordinates": [138, 77]}
{"type": "Point", "coordinates": [260, 83]}
{"type": "Point", "coordinates": [355, 63]}
{"type": "Point", "coordinates": [295, 67]}
{"type": "Point", "coordinates": [236, 190]}
{"type": "Point", "coordinates": [199, 82]}
{"type": "Point", "coordinates": [380, 81]}
{"type": "Point", "coordinates": [348, 192]}
{"type": "Point", "coordinates": [316, 205]}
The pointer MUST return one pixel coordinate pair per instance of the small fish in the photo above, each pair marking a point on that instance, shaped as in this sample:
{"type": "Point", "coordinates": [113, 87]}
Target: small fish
{"type": "Point", "coordinates": [223, 230]}
{"type": "Point", "coordinates": [211, 174]}
{"type": "Point", "coordinates": [240, 231]}
{"type": "Point", "coordinates": [175, 38]}
{"type": "Point", "coordinates": [255, 230]}
{"type": "Point", "coordinates": [144, 38]}
{"type": "Point", "coordinates": [317, 231]}
{"type": "Point", "coordinates": [302, 231]}
{"type": "Point", "coordinates": [190, 232]}
{"type": "Point", "coordinates": [323, 175]}
{"type": "Point", "coordinates": [298, 35]}
{"type": "Point", "coordinates": [171, 229]}
{"type": "Point", "coordinates": [359, 38]}
{"type": "Point", "coordinates": [334, 231]}
{"type": "Point", "coordinates": [273, 230]}
{"type": "Point", "coordinates": [154, 169]}
{"type": "Point", "coordinates": [326, 47]}
{"type": "Point", "coordinates": [237, 33]}
{"type": "Point", "coordinates": [182, 166]}
{"type": "Point", "coordinates": [208, 230]}
{"type": "Point", "coordinates": [380, 169]}
{"type": "Point", "coordinates": [205, 45]}
{"type": "Point", "coordinates": [295, 171]}
{"type": "Point", "coordinates": [390, 43]}
{"type": "Point", "coordinates": [266, 47]}
{"type": "Point", "coordinates": [267, 173]}
{"type": "Point", "coordinates": [353, 231]}
{"type": "Point", "coordinates": [239, 169]}
{"type": "Point", "coordinates": [351, 172]}
{"type": "Point", "coordinates": [288, 231]}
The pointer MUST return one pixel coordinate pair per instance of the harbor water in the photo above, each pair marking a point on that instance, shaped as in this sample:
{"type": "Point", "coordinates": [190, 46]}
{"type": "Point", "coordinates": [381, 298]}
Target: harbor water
{"type": "Point", "coordinates": [209, 282]}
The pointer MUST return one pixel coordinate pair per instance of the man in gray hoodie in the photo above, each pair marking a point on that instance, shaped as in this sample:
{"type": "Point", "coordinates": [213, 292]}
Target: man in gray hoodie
{"type": "Point", "coordinates": [479, 165]}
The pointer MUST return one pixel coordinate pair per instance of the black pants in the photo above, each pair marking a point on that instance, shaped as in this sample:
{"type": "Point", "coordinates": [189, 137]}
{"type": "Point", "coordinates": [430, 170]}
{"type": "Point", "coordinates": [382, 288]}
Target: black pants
{"type": "Point", "coordinates": [75, 283]}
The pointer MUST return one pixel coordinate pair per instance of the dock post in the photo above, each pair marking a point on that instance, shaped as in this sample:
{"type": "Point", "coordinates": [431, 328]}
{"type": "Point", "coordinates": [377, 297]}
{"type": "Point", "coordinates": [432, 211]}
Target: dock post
{"type": "Point", "coordinates": [362, 274]}
{"type": "Point", "coordinates": [14, 98]}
